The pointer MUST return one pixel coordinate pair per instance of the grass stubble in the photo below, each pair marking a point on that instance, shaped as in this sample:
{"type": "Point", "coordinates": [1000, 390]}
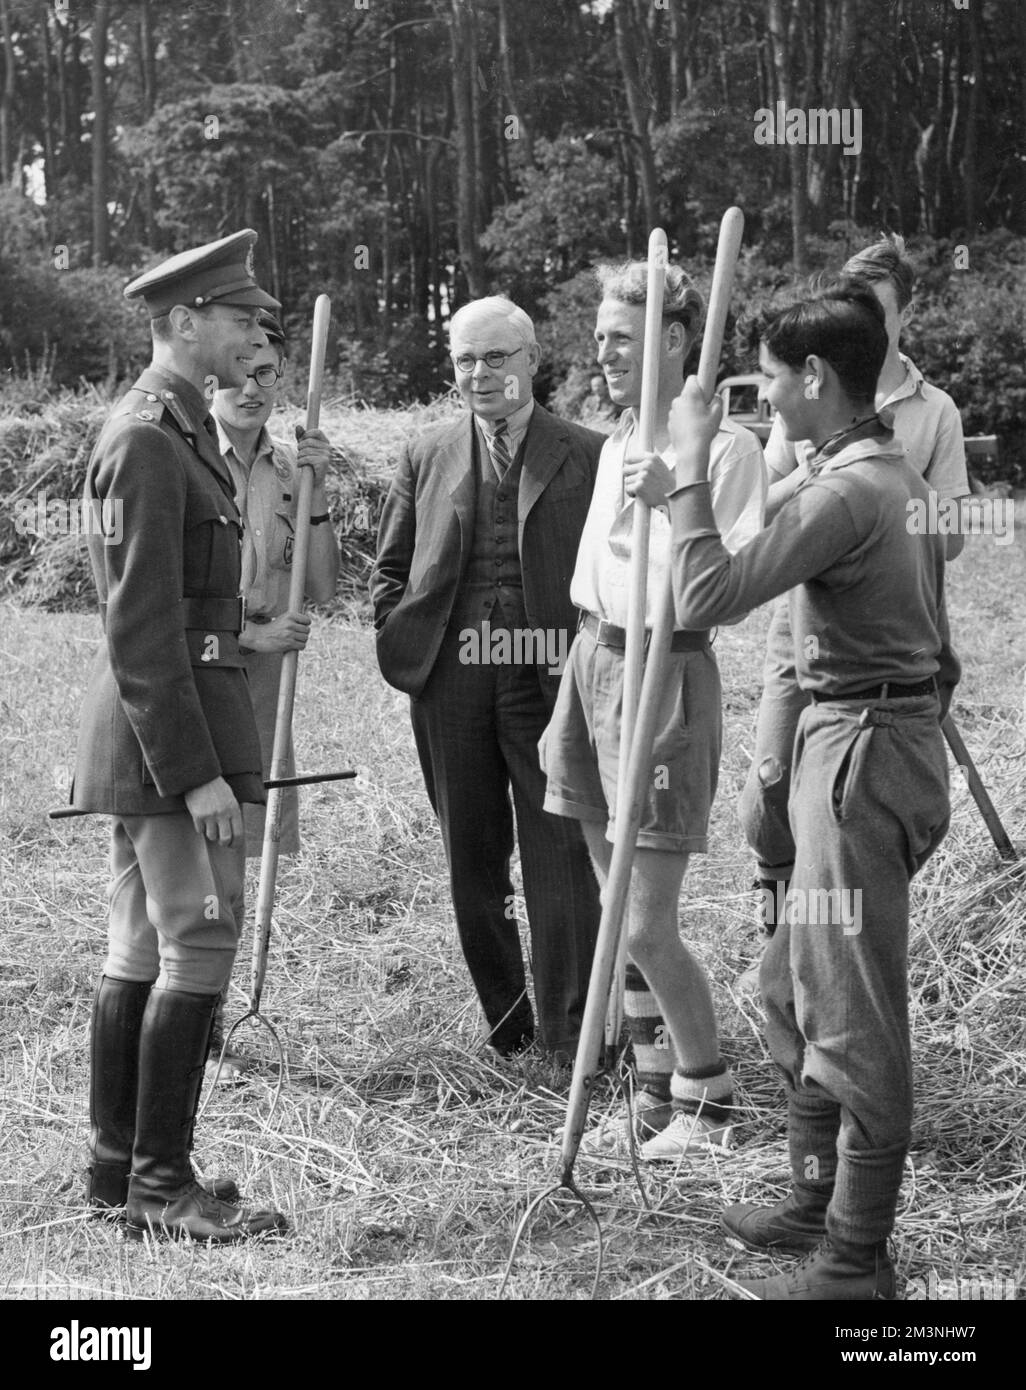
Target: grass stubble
{"type": "Point", "coordinates": [403, 1152]}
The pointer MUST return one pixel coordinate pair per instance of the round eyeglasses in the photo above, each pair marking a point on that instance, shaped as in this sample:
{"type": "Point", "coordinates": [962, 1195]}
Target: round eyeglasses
{"type": "Point", "coordinates": [466, 362]}
{"type": "Point", "coordinates": [266, 376]}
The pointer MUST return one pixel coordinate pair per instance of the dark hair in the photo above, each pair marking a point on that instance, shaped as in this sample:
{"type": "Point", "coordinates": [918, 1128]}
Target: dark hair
{"type": "Point", "coordinates": [843, 324]}
{"type": "Point", "coordinates": [272, 327]}
{"type": "Point", "coordinates": [161, 327]}
{"type": "Point", "coordinates": [884, 260]}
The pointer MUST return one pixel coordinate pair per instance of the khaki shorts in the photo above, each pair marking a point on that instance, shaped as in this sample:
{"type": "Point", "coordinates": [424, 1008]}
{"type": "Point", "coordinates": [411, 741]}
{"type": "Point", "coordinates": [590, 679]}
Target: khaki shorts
{"type": "Point", "coordinates": [580, 749]}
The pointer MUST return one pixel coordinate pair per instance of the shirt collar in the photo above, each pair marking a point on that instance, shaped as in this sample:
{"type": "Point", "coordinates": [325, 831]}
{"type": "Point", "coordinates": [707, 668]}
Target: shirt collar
{"type": "Point", "coordinates": [911, 386]}
{"type": "Point", "coordinates": [517, 422]}
{"type": "Point", "coordinates": [871, 439]}
{"type": "Point", "coordinates": [228, 448]}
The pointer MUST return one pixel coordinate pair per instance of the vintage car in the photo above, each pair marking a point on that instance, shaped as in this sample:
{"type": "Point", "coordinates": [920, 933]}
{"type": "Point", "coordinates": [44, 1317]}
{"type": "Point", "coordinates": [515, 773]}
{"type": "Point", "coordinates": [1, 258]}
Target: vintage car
{"type": "Point", "coordinates": [744, 405]}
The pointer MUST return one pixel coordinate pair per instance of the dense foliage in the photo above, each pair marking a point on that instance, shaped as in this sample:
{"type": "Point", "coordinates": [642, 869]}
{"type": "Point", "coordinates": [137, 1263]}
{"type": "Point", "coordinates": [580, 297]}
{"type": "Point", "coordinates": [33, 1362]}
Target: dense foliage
{"type": "Point", "coordinates": [405, 154]}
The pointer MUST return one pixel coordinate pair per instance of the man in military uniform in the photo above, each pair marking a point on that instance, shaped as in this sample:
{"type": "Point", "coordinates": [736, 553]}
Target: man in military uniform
{"type": "Point", "coordinates": [168, 746]}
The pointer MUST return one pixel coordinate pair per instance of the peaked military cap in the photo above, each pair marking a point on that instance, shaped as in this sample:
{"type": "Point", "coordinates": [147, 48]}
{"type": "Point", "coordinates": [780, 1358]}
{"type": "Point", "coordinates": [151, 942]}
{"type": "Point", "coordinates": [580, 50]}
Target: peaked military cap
{"type": "Point", "coordinates": [219, 273]}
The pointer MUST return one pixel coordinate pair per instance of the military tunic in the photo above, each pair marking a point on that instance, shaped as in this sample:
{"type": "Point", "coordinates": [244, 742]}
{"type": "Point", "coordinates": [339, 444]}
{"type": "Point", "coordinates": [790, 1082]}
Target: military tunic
{"type": "Point", "coordinates": [167, 707]}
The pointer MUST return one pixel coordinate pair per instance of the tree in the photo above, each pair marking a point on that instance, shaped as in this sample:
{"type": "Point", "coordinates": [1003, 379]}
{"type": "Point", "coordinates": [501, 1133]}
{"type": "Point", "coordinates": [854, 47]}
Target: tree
{"type": "Point", "coordinates": [101, 121]}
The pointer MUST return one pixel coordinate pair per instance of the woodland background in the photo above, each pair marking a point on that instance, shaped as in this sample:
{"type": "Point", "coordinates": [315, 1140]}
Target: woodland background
{"type": "Point", "coordinates": [404, 155]}
{"type": "Point", "coordinates": [368, 146]}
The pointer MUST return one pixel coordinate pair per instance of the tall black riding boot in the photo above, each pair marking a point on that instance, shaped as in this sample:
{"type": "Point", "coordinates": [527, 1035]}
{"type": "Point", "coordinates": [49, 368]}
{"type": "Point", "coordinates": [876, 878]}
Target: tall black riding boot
{"type": "Point", "coordinates": [118, 1009]}
{"type": "Point", "coordinates": [163, 1195]}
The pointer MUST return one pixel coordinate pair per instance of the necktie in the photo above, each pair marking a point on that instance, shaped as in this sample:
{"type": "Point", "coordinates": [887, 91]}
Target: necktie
{"type": "Point", "coordinates": [499, 445]}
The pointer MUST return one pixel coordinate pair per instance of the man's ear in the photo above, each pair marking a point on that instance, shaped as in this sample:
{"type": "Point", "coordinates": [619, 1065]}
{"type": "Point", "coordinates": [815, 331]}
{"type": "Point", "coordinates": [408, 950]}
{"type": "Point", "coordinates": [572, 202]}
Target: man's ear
{"type": "Point", "coordinates": [676, 339]}
{"type": "Point", "coordinates": [533, 358]}
{"type": "Point", "coordinates": [183, 321]}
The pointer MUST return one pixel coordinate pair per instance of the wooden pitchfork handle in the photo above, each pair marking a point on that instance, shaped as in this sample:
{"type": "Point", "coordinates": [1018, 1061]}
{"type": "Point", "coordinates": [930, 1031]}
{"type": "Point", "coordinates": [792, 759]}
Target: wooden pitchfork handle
{"type": "Point", "coordinates": [637, 587]}
{"type": "Point", "coordinates": [962, 757]}
{"type": "Point", "coordinates": [289, 665]}
{"type": "Point", "coordinates": [628, 817]}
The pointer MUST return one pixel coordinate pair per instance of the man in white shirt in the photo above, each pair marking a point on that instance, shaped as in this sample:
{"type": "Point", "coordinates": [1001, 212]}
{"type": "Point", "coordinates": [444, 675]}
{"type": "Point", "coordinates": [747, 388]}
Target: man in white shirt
{"type": "Point", "coordinates": [684, 1096]}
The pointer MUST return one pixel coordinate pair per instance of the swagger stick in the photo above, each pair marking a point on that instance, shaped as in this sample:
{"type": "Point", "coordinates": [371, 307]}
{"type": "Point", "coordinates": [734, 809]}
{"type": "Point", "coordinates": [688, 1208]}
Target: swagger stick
{"type": "Point", "coordinates": [290, 661]}
{"type": "Point", "coordinates": [637, 587]}
{"type": "Point", "coordinates": [301, 780]}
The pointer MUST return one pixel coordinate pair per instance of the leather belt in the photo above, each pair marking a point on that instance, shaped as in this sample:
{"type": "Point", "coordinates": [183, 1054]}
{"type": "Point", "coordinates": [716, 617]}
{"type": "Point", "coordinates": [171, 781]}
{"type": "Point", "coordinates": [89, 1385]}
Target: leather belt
{"type": "Point", "coordinates": [206, 614]}
{"type": "Point", "coordinates": [214, 614]}
{"type": "Point", "coordinates": [889, 690]}
{"type": "Point", "coordinates": [609, 635]}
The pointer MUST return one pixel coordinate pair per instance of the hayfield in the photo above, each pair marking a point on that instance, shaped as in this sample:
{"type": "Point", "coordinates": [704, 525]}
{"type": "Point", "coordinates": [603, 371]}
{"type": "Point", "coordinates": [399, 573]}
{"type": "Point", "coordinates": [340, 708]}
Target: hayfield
{"type": "Point", "coordinates": [403, 1152]}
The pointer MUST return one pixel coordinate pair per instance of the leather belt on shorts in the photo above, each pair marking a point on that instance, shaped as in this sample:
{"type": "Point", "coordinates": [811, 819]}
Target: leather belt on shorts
{"type": "Point", "coordinates": [609, 635]}
{"type": "Point", "coordinates": [890, 690]}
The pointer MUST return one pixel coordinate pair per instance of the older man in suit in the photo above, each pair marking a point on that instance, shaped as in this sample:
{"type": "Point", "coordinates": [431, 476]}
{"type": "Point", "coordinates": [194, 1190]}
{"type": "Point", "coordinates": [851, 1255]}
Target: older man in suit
{"type": "Point", "coordinates": [471, 592]}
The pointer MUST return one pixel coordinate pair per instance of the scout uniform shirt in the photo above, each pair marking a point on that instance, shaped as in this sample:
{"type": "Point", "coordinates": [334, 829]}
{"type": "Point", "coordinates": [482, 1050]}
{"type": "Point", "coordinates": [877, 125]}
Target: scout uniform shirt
{"type": "Point", "coordinates": [866, 596]}
{"type": "Point", "coordinates": [167, 707]}
{"type": "Point", "coordinates": [266, 498]}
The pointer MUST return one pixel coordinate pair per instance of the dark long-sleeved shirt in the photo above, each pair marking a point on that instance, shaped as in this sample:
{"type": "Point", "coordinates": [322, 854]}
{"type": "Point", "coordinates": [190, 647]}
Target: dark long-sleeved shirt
{"type": "Point", "coordinates": [865, 593]}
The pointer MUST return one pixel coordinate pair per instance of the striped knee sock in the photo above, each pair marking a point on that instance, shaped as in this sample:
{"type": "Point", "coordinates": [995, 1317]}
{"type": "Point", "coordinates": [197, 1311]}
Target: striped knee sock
{"type": "Point", "coordinates": [708, 1091]}
{"type": "Point", "coordinates": [653, 1051]}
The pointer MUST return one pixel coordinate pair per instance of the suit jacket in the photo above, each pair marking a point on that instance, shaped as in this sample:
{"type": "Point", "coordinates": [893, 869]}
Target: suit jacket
{"type": "Point", "coordinates": [167, 707]}
{"type": "Point", "coordinates": [427, 532]}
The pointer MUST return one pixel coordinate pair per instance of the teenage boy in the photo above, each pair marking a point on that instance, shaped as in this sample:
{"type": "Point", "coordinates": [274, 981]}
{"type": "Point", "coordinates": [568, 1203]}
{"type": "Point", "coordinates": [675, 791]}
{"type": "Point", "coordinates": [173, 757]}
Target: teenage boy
{"type": "Point", "coordinates": [684, 1097]}
{"type": "Point", "coordinates": [869, 795]}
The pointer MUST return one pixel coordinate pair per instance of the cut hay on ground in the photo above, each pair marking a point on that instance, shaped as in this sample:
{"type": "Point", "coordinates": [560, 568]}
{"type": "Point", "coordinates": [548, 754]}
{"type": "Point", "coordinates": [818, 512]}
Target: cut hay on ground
{"type": "Point", "coordinates": [46, 450]}
{"type": "Point", "coordinates": [403, 1152]}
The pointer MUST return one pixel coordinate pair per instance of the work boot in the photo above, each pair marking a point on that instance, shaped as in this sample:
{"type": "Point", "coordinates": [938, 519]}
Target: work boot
{"type": "Point", "coordinates": [836, 1272]}
{"type": "Point", "coordinates": [118, 1009]}
{"type": "Point", "coordinates": [798, 1223]}
{"type": "Point", "coordinates": [852, 1263]}
{"type": "Point", "coordinates": [163, 1195]}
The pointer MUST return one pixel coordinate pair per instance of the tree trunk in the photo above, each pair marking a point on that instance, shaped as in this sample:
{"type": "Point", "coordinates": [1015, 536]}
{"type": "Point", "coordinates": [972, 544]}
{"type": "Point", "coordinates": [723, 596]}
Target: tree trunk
{"type": "Point", "coordinates": [464, 78]}
{"type": "Point", "coordinates": [782, 59]}
{"type": "Point", "coordinates": [148, 82]}
{"type": "Point", "coordinates": [6, 96]}
{"type": "Point", "coordinates": [46, 59]}
{"type": "Point", "coordinates": [834, 89]}
{"type": "Point", "coordinates": [638, 111]}
{"type": "Point", "coordinates": [506, 68]}
{"type": "Point", "coordinates": [972, 116]}
{"type": "Point", "coordinates": [1020, 199]}
{"type": "Point", "coordinates": [101, 120]}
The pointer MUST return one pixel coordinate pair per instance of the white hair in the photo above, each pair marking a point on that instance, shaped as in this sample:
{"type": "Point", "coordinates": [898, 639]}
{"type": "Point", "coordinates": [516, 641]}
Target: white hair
{"type": "Point", "coordinates": [503, 308]}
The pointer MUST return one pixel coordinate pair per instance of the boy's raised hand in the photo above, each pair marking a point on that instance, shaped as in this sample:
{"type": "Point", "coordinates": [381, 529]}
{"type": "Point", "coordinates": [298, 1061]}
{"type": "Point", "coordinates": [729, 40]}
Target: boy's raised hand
{"type": "Point", "coordinates": [693, 424]}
